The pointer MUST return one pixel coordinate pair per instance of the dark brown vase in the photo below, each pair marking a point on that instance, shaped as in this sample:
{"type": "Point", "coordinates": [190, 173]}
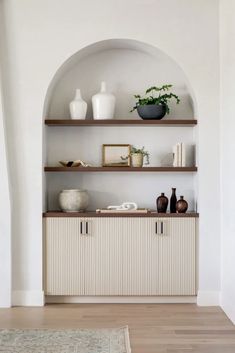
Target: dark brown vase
{"type": "Point", "coordinates": [173, 201]}
{"type": "Point", "coordinates": [181, 205]}
{"type": "Point", "coordinates": [162, 203]}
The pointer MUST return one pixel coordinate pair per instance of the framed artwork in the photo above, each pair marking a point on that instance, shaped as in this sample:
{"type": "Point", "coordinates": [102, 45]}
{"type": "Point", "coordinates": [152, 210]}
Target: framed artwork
{"type": "Point", "coordinates": [116, 155]}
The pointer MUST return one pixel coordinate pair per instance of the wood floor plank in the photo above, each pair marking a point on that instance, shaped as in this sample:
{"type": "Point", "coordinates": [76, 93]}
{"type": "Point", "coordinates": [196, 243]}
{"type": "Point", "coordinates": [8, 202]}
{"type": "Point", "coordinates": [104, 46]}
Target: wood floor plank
{"type": "Point", "coordinates": [154, 328]}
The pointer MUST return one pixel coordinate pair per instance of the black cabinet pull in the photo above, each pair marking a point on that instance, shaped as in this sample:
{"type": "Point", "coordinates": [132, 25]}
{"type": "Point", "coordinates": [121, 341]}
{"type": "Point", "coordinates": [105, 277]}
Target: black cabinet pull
{"type": "Point", "coordinates": [80, 227]}
{"type": "Point", "coordinates": [161, 227]}
{"type": "Point", "coordinates": [155, 227]}
{"type": "Point", "coordinates": [86, 228]}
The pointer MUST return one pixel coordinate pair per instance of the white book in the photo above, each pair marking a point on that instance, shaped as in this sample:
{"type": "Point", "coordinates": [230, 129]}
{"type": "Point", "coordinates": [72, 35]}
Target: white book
{"type": "Point", "coordinates": [179, 155]}
{"type": "Point", "coordinates": [183, 155]}
{"type": "Point", "coordinates": [175, 160]}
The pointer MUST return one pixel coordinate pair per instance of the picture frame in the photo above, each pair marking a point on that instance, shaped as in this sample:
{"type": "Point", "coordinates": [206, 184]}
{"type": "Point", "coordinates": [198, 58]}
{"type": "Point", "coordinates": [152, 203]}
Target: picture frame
{"type": "Point", "coordinates": [116, 155]}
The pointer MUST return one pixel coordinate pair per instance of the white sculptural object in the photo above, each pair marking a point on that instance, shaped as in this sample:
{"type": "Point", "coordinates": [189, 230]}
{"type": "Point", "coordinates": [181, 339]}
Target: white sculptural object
{"type": "Point", "coordinates": [125, 206]}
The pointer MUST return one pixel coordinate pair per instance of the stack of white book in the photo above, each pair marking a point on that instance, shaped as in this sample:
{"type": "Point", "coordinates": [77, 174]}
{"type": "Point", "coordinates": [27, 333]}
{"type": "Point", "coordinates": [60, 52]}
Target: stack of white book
{"type": "Point", "coordinates": [179, 155]}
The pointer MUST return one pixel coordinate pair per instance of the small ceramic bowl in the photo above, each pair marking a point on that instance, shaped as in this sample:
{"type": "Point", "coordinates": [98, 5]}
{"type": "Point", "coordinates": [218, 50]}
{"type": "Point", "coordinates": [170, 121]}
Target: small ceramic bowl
{"type": "Point", "coordinates": [70, 163]}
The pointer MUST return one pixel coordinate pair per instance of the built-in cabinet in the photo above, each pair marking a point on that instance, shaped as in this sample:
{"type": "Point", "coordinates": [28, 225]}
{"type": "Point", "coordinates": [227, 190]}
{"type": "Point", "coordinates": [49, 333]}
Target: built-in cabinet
{"type": "Point", "coordinates": [120, 256]}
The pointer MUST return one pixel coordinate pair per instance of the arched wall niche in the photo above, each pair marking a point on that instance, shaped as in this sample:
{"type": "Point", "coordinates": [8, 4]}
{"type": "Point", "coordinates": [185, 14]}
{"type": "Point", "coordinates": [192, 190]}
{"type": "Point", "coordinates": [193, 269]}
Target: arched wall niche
{"type": "Point", "coordinates": [128, 67]}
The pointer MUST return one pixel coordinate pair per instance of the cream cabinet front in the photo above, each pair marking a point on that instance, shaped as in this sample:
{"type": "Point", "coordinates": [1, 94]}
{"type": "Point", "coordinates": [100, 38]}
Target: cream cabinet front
{"type": "Point", "coordinates": [118, 256]}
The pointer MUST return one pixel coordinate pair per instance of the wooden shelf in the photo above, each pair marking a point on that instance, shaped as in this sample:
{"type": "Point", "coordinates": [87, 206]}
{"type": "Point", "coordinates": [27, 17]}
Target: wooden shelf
{"type": "Point", "coordinates": [118, 122]}
{"type": "Point", "coordinates": [94, 214]}
{"type": "Point", "coordinates": [120, 169]}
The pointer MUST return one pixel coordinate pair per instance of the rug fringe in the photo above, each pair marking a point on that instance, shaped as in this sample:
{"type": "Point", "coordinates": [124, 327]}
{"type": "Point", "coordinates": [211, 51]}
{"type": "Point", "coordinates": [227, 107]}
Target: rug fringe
{"type": "Point", "coordinates": [127, 339]}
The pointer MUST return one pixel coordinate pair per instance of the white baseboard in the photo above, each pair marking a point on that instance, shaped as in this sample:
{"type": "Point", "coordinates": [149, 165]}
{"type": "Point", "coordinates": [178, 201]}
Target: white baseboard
{"type": "Point", "coordinates": [27, 298]}
{"type": "Point", "coordinates": [227, 304]}
{"type": "Point", "coordinates": [119, 299]}
{"type": "Point", "coordinates": [208, 298]}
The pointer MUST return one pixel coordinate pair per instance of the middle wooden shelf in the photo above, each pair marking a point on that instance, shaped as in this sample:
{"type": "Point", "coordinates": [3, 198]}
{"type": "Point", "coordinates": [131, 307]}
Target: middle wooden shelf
{"type": "Point", "coordinates": [120, 169]}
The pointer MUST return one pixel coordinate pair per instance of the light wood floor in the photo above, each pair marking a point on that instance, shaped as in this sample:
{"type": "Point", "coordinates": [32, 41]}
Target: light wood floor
{"type": "Point", "coordinates": [154, 328]}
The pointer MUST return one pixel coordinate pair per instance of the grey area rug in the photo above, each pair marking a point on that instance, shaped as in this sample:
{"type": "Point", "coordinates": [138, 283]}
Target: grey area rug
{"type": "Point", "coordinates": [65, 341]}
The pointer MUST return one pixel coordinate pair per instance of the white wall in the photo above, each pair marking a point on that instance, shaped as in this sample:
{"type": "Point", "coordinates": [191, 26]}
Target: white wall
{"type": "Point", "coordinates": [128, 67]}
{"type": "Point", "coordinates": [5, 209]}
{"type": "Point", "coordinates": [42, 35]}
{"type": "Point", "coordinates": [5, 220]}
{"type": "Point", "coordinates": [227, 155]}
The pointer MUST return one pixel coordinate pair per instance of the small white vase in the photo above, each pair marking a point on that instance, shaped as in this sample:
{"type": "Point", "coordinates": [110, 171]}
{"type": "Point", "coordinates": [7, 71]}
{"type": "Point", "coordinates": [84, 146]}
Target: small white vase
{"type": "Point", "coordinates": [73, 200]}
{"type": "Point", "coordinates": [103, 104]}
{"type": "Point", "coordinates": [137, 160]}
{"type": "Point", "coordinates": [78, 107]}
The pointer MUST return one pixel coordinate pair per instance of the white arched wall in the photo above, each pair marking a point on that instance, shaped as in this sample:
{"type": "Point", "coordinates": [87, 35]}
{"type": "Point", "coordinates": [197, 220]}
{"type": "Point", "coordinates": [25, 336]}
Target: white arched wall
{"type": "Point", "coordinates": [129, 67]}
{"type": "Point", "coordinates": [33, 58]}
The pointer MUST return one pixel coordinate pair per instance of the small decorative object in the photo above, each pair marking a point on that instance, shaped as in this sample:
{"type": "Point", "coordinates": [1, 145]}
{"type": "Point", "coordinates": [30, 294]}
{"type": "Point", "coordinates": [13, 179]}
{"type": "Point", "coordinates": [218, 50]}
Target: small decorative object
{"type": "Point", "coordinates": [125, 206]}
{"type": "Point", "coordinates": [162, 203]}
{"type": "Point", "coordinates": [76, 163]}
{"type": "Point", "coordinates": [173, 201]}
{"type": "Point", "coordinates": [115, 155]}
{"type": "Point", "coordinates": [137, 156]}
{"type": "Point", "coordinates": [167, 160]}
{"type": "Point", "coordinates": [106, 210]}
{"type": "Point", "coordinates": [103, 104]}
{"type": "Point", "coordinates": [73, 200]}
{"type": "Point", "coordinates": [78, 107]}
{"type": "Point", "coordinates": [181, 205]}
{"type": "Point", "coordinates": [152, 106]}
{"type": "Point", "coordinates": [179, 155]}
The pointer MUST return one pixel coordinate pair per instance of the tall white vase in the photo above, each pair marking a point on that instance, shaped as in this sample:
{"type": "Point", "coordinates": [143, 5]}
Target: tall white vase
{"type": "Point", "coordinates": [78, 107]}
{"type": "Point", "coordinates": [103, 104]}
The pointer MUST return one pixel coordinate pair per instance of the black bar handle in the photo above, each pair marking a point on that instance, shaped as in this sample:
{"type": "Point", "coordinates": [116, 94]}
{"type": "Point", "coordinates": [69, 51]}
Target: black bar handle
{"type": "Point", "coordinates": [155, 227]}
{"type": "Point", "coordinates": [161, 227]}
{"type": "Point", "coordinates": [86, 228]}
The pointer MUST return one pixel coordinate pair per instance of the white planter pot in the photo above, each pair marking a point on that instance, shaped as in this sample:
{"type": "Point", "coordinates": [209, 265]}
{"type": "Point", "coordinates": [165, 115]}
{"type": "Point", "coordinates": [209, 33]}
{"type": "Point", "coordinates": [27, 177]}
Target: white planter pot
{"type": "Point", "coordinates": [137, 160]}
{"type": "Point", "coordinates": [103, 104]}
{"type": "Point", "coordinates": [73, 200]}
{"type": "Point", "coordinates": [78, 107]}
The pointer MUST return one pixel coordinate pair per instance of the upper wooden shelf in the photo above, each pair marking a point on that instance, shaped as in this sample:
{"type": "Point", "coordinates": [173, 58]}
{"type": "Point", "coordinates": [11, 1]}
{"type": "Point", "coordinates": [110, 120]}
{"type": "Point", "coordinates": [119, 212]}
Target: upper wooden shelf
{"type": "Point", "coordinates": [120, 169]}
{"type": "Point", "coordinates": [118, 122]}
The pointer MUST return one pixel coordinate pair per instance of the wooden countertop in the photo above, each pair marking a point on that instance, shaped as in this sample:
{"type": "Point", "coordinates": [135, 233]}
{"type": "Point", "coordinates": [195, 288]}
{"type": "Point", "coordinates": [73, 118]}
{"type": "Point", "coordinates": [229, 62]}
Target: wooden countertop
{"type": "Point", "coordinates": [115, 214]}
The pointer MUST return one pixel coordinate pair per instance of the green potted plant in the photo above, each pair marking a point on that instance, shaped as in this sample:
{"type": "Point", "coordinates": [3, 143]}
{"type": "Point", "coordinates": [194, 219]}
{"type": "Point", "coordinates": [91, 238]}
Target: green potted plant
{"type": "Point", "coordinates": [137, 156]}
{"type": "Point", "coordinates": [155, 103]}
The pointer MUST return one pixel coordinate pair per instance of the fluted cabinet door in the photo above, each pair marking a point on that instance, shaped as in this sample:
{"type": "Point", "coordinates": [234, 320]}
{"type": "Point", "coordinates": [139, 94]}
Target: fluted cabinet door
{"type": "Point", "coordinates": [173, 257]}
{"type": "Point", "coordinates": [64, 257]}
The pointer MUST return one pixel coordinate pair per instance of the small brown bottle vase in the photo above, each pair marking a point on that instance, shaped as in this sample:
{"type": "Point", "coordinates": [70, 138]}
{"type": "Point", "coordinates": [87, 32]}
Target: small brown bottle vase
{"type": "Point", "coordinates": [181, 205]}
{"type": "Point", "coordinates": [162, 203]}
{"type": "Point", "coordinates": [173, 201]}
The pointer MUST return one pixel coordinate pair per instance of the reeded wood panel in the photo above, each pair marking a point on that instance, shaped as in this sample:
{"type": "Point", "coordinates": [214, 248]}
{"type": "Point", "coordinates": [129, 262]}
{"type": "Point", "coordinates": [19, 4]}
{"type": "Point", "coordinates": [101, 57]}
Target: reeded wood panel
{"type": "Point", "coordinates": [64, 257]}
{"type": "Point", "coordinates": [120, 256]}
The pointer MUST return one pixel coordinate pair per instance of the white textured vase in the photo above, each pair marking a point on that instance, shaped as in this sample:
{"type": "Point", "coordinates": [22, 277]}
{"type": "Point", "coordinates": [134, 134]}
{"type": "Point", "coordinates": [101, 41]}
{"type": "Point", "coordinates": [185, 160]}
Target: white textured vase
{"type": "Point", "coordinates": [103, 104]}
{"type": "Point", "coordinates": [78, 107]}
{"type": "Point", "coordinates": [137, 160]}
{"type": "Point", "coordinates": [75, 200]}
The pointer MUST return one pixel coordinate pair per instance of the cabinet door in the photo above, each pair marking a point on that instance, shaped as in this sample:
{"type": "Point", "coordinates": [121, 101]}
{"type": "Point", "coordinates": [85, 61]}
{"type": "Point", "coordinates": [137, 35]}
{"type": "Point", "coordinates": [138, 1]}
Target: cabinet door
{"type": "Point", "coordinates": [76, 256]}
{"type": "Point", "coordinates": [173, 256]}
{"type": "Point", "coordinates": [64, 256]}
{"type": "Point", "coordinates": [152, 256]}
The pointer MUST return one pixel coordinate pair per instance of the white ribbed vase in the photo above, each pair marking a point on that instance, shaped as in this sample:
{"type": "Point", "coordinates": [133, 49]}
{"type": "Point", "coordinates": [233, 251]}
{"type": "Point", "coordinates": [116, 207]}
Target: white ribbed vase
{"type": "Point", "coordinates": [75, 200]}
{"type": "Point", "coordinates": [103, 104]}
{"type": "Point", "coordinates": [78, 107]}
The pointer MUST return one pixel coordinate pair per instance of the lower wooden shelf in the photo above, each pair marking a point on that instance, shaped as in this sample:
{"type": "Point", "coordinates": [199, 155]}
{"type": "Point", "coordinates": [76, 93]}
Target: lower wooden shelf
{"type": "Point", "coordinates": [115, 214]}
{"type": "Point", "coordinates": [120, 169]}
